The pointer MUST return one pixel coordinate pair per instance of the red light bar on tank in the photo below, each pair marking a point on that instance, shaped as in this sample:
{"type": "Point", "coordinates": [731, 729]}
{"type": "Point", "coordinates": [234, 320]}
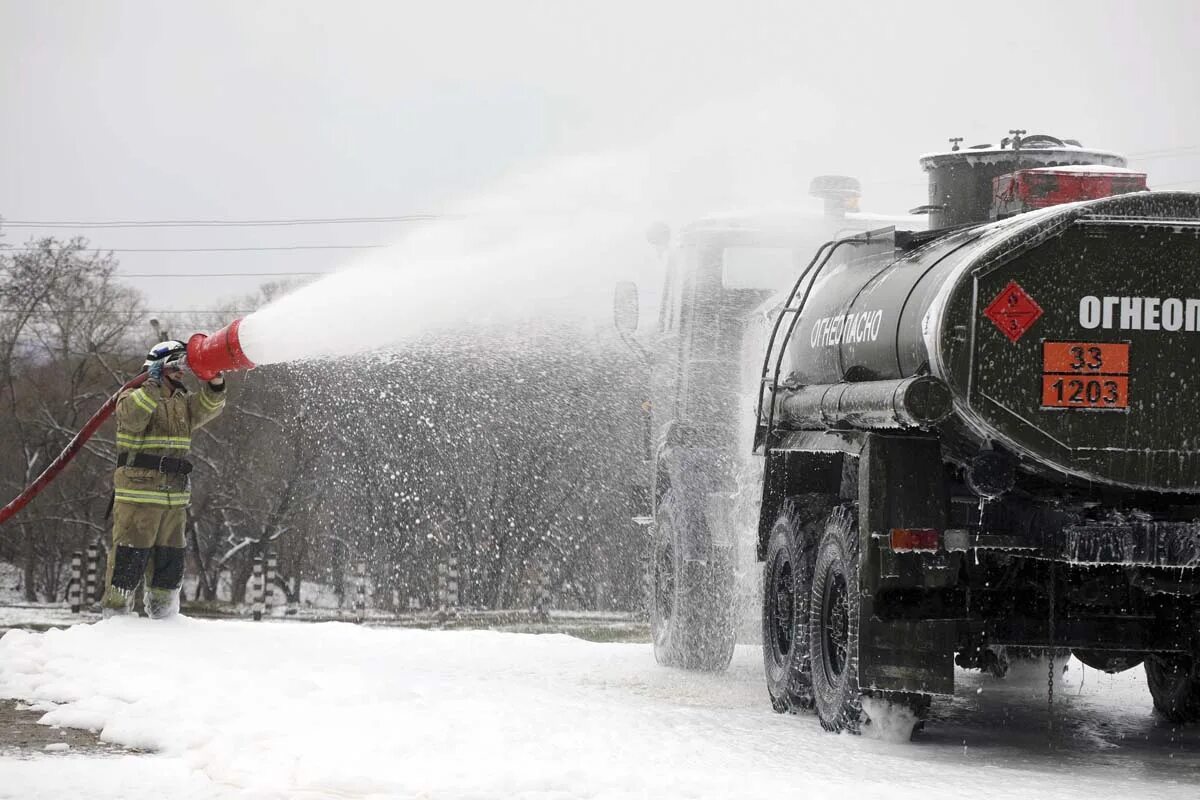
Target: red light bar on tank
{"type": "Point", "coordinates": [1029, 189]}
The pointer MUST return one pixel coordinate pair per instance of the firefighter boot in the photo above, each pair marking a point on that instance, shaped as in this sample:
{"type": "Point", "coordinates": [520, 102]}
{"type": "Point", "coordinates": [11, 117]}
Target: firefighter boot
{"type": "Point", "coordinates": [161, 603]}
{"type": "Point", "coordinates": [127, 565]}
{"type": "Point", "coordinates": [116, 602]}
{"type": "Point", "coordinates": [162, 589]}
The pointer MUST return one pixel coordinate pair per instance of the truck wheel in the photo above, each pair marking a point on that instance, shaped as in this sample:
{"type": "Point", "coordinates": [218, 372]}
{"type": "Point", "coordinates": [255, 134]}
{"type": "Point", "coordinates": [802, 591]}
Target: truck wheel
{"type": "Point", "coordinates": [691, 602]}
{"type": "Point", "coordinates": [787, 588]}
{"type": "Point", "coordinates": [833, 624]}
{"type": "Point", "coordinates": [1174, 682]}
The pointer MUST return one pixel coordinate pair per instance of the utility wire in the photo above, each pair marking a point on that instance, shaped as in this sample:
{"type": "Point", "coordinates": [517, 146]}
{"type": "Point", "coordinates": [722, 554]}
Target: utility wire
{"type": "Point", "coordinates": [214, 249]}
{"type": "Point", "coordinates": [399, 218]}
{"type": "Point", "coordinates": [1148, 154]}
{"type": "Point", "coordinates": [137, 314]}
{"type": "Point", "coordinates": [215, 223]}
{"type": "Point", "coordinates": [1173, 183]}
{"type": "Point", "coordinates": [214, 274]}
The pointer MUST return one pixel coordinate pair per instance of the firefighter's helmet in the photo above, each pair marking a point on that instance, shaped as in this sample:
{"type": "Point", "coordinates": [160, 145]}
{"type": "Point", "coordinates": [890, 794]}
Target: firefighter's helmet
{"type": "Point", "coordinates": [169, 352]}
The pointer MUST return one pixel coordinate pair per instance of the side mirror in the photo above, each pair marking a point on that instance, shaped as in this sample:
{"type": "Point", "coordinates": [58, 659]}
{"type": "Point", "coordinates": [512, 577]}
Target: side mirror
{"type": "Point", "coordinates": [625, 306]}
{"type": "Point", "coordinates": [659, 235]}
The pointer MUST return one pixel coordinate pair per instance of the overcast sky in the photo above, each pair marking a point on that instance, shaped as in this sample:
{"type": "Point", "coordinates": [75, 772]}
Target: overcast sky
{"type": "Point", "coordinates": [267, 110]}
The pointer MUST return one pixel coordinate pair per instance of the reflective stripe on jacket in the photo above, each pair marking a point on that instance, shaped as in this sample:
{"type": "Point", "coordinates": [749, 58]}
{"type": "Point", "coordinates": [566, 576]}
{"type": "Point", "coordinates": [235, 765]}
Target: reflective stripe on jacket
{"type": "Point", "coordinates": [155, 425]}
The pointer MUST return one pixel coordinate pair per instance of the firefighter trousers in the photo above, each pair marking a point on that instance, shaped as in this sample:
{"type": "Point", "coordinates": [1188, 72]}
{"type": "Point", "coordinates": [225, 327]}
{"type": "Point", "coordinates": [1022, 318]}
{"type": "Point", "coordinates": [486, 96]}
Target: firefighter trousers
{"type": "Point", "coordinates": [147, 540]}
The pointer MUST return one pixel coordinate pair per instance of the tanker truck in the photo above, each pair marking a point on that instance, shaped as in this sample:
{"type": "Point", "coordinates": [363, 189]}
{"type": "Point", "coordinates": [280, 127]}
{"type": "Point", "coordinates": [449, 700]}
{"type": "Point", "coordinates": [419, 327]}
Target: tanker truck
{"type": "Point", "coordinates": [976, 441]}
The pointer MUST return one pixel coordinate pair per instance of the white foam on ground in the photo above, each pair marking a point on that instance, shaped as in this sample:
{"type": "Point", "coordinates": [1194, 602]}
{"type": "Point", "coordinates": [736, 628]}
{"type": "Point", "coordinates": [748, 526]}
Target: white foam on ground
{"type": "Point", "coordinates": [888, 722]}
{"type": "Point", "coordinates": [263, 710]}
{"type": "Point", "coordinates": [67, 776]}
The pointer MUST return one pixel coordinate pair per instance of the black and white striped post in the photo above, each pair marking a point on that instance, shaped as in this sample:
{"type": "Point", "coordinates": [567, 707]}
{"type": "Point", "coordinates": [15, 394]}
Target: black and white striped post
{"type": "Point", "coordinates": [269, 602]}
{"type": "Point", "coordinates": [452, 595]}
{"type": "Point", "coordinates": [397, 595]}
{"type": "Point", "coordinates": [75, 587]}
{"type": "Point", "coordinates": [293, 599]}
{"type": "Point", "coordinates": [360, 593]}
{"type": "Point", "coordinates": [442, 575]}
{"type": "Point", "coordinates": [256, 588]}
{"type": "Point", "coordinates": [542, 601]}
{"type": "Point", "coordinates": [90, 593]}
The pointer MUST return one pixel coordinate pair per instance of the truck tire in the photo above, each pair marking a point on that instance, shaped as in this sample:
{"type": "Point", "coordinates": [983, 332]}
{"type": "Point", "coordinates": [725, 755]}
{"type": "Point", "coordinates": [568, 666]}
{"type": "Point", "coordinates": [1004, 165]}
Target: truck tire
{"type": "Point", "coordinates": [834, 607]}
{"type": "Point", "coordinates": [787, 589]}
{"type": "Point", "coordinates": [833, 623]}
{"type": "Point", "coordinates": [691, 602]}
{"type": "Point", "coordinates": [1174, 682]}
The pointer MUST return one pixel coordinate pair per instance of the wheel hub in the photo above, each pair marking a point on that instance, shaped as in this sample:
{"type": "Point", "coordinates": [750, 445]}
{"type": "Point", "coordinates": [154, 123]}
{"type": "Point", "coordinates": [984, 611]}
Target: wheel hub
{"type": "Point", "coordinates": [835, 626]}
{"type": "Point", "coordinates": [664, 582]}
{"type": "Point", "coordinates": [782, 598]}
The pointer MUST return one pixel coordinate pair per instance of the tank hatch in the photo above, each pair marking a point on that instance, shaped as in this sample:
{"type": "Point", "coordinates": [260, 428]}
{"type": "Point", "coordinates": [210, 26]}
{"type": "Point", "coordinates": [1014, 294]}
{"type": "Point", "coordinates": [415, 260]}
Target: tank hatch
{"type": "Point", "coordinates": [961, 189]}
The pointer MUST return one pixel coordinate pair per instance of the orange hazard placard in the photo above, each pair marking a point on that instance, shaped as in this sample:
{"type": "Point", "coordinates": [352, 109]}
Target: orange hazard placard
{"type": "Point", "coordinates": [1065, 391]}
{"type": "Point", "coordinates": [1085, 358]}
{"type": "Point", "coordinates": [1085, 375]}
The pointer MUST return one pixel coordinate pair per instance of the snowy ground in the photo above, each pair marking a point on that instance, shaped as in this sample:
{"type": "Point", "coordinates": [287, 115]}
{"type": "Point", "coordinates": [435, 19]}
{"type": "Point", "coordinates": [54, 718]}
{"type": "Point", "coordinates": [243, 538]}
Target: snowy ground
{"type": "Point", "coordinates": [40, 615]}
{"type": "Point", "coordinates": [238, 709]}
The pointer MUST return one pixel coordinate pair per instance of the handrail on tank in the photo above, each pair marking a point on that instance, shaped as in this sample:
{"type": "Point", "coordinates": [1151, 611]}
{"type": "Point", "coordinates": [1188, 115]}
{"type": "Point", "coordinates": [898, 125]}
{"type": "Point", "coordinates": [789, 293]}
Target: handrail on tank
{"type": "Point", "coordinates": [775, 332]}
{"type": "Point", "coordinates": [832, 246]}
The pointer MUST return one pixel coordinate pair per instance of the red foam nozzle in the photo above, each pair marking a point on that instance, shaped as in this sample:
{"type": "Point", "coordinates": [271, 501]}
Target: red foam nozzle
{"type": "Point", "coordinates": [207, 356]}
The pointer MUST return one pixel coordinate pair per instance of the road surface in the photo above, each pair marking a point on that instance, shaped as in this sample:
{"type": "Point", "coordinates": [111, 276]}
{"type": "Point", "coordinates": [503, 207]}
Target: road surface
{"type": "Point", "coordinates": [239, 709]}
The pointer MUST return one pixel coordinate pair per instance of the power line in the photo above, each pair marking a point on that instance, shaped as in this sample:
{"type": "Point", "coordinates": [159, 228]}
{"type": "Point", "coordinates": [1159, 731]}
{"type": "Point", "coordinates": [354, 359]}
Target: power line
{"type": "Point", "coordinates": [1148, 155]}
{"type": "Point", "coordinates": [214, 274]}
{"type": "Point", "coordinates": [213, 249]}
{"type": "Point", "coordinates": [1166, 152]}
{"type": "Point", "coordinates": [137, 314]}
{"type": "Point", "coordinates": [218, 223]}
{"type": "Point", "coordinates": [1174, 183]}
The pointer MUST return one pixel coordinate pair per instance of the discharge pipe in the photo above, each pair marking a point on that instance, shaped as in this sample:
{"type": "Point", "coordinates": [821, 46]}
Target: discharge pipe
{"type": "Point", "coordinates": [918, 402]}
{"type": "Point", "coordinates": [222, 352]}
{"type": "Point", "coordinates": [206, 357]}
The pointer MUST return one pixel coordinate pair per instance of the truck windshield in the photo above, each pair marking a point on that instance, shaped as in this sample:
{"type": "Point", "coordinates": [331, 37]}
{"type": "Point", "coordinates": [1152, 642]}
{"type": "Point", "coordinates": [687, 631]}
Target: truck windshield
{"type": "Point", "coordinates": [767, 268]}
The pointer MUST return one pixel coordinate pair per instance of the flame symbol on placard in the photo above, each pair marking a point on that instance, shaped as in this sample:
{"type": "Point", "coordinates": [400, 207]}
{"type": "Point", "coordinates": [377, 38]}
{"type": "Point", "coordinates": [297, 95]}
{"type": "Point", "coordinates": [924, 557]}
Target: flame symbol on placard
{"type": "Point", "coordinates": [1013, 311]}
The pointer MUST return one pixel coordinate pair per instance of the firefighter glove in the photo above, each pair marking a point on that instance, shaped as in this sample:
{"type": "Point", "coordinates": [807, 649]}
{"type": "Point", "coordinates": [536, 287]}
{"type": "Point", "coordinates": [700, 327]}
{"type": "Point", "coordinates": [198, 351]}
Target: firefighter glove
{"type": "Point", "coordinates": [154, 373]}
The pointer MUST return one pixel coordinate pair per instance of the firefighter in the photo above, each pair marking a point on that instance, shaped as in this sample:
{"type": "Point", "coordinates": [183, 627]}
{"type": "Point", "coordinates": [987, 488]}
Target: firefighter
{"type": "Point", "coordinates": [151, 484]}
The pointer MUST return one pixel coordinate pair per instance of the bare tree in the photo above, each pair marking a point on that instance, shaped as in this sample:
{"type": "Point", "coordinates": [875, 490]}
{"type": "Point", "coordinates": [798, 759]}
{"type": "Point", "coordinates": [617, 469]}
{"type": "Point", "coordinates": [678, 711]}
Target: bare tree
{"type": "Point", "coordinates": [63, 337]}
{"type": "Point", "coordinates": [505, 447]}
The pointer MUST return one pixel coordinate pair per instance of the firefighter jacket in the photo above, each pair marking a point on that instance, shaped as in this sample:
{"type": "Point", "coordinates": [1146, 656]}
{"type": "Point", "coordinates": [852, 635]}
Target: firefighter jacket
{"type": "Point", "coordinates": [155, 425]}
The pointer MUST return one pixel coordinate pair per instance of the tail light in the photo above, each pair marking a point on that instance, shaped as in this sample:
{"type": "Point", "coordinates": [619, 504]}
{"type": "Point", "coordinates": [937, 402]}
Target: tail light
{"type": "Point", "coordinates": [915, 540]}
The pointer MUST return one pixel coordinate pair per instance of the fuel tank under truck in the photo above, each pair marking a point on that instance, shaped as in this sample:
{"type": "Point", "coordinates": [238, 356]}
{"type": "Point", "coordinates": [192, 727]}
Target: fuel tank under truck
{"type": "Point", "coordinates": [1069, 337]}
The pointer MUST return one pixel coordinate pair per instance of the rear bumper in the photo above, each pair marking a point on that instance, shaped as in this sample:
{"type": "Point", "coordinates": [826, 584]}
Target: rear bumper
{"type": "Point", "coordinates": [1127, 543]}
{"type": "Point", "coordinates": [1143, 544]}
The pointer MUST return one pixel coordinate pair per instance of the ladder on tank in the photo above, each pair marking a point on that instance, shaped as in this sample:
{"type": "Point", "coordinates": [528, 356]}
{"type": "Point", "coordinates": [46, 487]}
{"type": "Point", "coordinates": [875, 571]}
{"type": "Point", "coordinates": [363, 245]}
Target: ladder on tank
{"type": "Point", "coordinates": [793, 309]}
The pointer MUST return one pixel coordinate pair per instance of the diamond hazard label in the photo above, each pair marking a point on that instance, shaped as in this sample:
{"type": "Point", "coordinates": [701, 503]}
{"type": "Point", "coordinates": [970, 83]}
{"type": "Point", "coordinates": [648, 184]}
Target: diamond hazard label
{"type": "Point", "coordinates": [1013, 311]}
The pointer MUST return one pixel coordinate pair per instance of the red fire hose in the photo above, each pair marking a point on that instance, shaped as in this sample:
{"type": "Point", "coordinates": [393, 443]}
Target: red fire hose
{"type": "Point", "coordinates": [69, 452]}
{"type": "Point", "coordinates": [207, 356]}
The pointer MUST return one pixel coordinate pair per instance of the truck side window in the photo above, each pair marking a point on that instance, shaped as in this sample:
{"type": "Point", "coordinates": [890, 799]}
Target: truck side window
{"type": "Point", "coordinates": [672, 298]}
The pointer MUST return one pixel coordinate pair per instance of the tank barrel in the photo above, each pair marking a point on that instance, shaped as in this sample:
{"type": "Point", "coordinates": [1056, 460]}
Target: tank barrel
{"type": "Point", "coordinates": [919, 402]}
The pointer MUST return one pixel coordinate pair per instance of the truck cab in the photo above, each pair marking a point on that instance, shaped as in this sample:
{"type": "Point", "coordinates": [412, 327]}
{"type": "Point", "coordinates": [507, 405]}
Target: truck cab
{"type": "Point", "coordinates": [723, 275]}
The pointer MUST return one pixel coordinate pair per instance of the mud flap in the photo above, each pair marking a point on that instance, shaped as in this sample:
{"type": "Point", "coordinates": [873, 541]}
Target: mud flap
{"type": "Point", "coordinates": [900, 486]}
{"type": "Point", "coordinates": [906, 656]}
